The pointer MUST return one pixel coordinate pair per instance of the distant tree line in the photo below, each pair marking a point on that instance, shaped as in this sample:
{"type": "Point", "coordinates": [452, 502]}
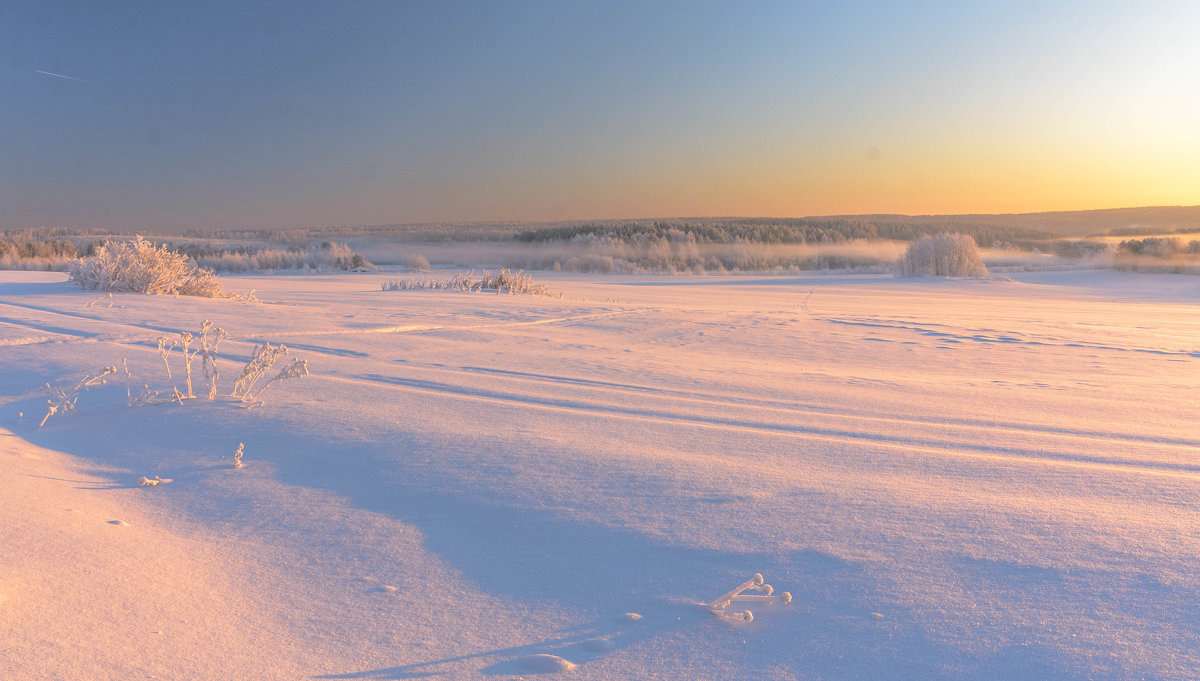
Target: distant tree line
{"type": "Point", "coordinates": [23, 250]}
{"type": "Point", "coordinates": [1150, 231]}
{"type": "Point", "coordinates": [52, 254]}
{"type": "Point", "coordinates": [783, 231]}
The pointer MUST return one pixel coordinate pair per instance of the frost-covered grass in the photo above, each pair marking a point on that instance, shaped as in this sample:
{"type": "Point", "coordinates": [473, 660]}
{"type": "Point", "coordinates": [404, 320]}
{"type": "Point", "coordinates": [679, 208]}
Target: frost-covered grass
{"type": "Point", "coordinates": [504, 281]}
{"type": "Point", "coordinates": [261, 361]}
{"type": "Point", "coordinates": [246, 388]}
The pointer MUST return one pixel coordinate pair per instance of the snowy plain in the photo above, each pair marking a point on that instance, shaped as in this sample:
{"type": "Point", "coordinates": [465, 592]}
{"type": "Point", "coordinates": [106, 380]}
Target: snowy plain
{"type": "Point", "coordinates": [956, 479]}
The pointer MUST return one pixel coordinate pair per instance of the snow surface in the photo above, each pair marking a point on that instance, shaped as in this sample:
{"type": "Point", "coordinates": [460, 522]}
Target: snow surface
{"type": "Point", "coordinates": [971, 479]}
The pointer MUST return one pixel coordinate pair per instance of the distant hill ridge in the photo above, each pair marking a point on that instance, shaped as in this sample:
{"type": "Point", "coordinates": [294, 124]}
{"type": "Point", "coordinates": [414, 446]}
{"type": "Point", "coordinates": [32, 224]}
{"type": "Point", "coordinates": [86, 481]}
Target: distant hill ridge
{"type": "Point", "coordinates": [1117, 221]}
{"type": "Point", "coordinates": [1075, 222]}
{"type": "Point", "coordinates": [992, 226]}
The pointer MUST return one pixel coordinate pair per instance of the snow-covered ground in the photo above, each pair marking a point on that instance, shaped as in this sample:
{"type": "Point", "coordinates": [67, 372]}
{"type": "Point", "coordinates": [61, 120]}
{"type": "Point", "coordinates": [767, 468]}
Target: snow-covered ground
{"type": "Point", "coordinates": [971, 479]}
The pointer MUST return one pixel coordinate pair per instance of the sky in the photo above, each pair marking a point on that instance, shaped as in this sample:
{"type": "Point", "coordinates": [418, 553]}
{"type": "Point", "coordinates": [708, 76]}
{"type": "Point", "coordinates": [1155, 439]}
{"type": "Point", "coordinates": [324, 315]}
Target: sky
{"type": "Point", "coordinates": [159, 115]}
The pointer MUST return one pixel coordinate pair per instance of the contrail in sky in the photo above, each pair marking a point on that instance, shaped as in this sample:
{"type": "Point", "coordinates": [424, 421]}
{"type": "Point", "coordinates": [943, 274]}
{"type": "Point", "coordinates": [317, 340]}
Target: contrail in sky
{"type": "Point", "coordinates": [59, 75]}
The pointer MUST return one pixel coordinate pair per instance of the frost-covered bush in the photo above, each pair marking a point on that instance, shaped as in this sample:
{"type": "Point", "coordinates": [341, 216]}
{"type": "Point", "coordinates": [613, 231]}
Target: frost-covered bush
{"type": "Point", "coordinates": [142, 267]}
{"type": "Point", "coordinates": [942, 255]}
{"type": "Point", "coordinates": [415, 262]}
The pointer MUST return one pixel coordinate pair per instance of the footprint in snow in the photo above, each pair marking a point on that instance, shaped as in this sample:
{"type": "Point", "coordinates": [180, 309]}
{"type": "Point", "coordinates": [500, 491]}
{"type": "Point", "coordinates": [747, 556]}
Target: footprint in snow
{"type": "Point", "coordinates": [120, 523]}
{"type": "Point", "coordinates": [545, 664]}
{"type": "Point", "coordinates": [600, 645]}
{"type": "Point", "coordinates": [601, 642]}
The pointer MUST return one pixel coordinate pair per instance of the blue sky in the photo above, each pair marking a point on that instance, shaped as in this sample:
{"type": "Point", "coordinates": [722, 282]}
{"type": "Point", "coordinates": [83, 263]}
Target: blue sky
{"type": "Point", "coordinates": [308, 114]}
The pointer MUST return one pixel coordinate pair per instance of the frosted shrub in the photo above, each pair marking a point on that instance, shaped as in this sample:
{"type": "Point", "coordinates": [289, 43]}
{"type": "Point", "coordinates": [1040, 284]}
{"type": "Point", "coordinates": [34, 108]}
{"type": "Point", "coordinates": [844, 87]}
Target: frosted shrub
{"type": "Point", "coordinates": [942, 255]}
{"type": "Point", "coordinates": [415, 262]}
{"type": "Point", "coordinates": [141, 267]}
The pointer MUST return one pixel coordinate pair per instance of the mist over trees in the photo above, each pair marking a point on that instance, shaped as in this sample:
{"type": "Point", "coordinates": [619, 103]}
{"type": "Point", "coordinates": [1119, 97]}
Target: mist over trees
{"type": "Point", "coordinates": [1160, 247]}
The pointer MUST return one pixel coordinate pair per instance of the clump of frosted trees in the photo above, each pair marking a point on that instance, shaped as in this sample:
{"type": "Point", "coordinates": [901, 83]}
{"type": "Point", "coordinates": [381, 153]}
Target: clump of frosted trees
{"type": "Point", "coordinates": [942, 255]}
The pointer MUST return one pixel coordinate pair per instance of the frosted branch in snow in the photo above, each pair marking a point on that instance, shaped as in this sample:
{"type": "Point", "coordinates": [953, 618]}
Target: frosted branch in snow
{"type": "Point", "coordinates": [107, 296]}
{"type": "Point", "coordinates": [62, 401]}
{"type": "Point", "coordinates": [247, 297]}
{"type": "Point", "coordinates": [765, 597]}
{"type": "Point", "coordinates": [147, 398]}
{"type": "Point", "coordinates": [237, 456]}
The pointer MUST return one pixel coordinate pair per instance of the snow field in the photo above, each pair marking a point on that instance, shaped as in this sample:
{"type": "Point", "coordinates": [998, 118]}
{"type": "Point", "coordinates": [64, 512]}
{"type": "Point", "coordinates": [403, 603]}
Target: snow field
{"type": "Point", "coordinates": [988, 479]}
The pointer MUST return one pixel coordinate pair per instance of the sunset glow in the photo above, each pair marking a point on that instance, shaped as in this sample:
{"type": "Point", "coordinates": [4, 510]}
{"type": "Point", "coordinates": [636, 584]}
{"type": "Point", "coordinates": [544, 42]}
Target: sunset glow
{"type": "Point", "coordinates": [312, 115]}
